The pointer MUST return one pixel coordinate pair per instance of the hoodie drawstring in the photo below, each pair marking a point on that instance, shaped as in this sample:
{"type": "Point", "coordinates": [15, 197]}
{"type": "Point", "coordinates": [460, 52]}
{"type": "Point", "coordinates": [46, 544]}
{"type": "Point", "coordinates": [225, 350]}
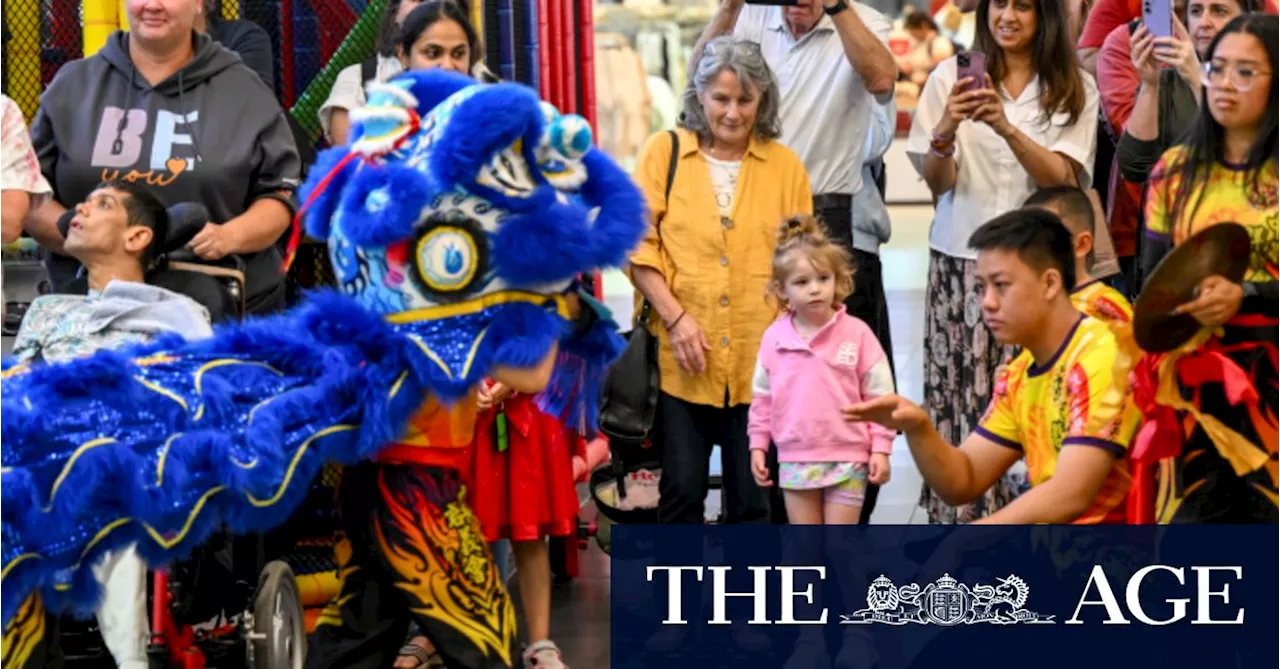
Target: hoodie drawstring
{"type": "Point", "coordinates": [182, 104]}
{"type": "Point", "coordinates": [117, 147]}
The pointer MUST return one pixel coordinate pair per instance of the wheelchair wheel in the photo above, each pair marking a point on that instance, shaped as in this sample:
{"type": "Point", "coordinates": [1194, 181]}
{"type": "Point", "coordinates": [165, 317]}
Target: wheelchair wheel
{"type": "Point", "coordinates": [279, 637]}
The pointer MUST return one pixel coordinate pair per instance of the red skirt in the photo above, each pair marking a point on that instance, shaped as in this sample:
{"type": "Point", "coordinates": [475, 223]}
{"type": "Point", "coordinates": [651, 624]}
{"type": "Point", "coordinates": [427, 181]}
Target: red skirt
{"type": "Point", "coordinates": [526, 491]}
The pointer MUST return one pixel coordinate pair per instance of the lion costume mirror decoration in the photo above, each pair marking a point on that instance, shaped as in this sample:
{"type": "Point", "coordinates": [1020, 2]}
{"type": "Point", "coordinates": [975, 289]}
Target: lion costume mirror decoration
{"type": "Point", "coordinates": [457, 221]}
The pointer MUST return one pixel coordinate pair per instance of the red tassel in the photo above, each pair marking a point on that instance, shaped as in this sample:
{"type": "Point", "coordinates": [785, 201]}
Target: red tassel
{"type": "Point", "coordinates": [295, 236]}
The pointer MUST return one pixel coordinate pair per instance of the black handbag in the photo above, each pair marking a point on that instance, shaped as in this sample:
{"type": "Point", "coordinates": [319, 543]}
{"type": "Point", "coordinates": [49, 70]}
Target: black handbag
{"type": "Point", "coordinates": [629, 397]}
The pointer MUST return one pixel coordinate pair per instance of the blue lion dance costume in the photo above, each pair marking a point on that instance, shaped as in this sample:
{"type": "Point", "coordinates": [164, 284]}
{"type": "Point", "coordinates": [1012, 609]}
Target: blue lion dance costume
{"type": "Point", "coordinates": [457, 220]}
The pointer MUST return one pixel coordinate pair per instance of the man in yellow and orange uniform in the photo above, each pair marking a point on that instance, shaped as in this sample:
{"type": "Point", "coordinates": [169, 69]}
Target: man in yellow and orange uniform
{"type": "Point", "coordinates": [1059, 403]}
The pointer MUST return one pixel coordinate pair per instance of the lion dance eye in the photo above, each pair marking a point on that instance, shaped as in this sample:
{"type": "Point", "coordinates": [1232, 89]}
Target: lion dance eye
{"type": "Point", "coordinates": [447, 259]}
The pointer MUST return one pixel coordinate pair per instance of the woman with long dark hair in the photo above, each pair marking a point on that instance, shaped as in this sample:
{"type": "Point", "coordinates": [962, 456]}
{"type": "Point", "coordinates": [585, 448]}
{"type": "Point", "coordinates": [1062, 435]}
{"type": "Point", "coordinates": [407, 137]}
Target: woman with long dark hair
{"type": "Point", "coordinates": [1225, 171]}
{"type": "Point", "coordinates": [448, 19]}
{"type": "Point", "coordinates": [983, 144]}
{"type": "Point", "coordinates": [438, 34]}
{"type": "Point", "coordinates": [347, 92]}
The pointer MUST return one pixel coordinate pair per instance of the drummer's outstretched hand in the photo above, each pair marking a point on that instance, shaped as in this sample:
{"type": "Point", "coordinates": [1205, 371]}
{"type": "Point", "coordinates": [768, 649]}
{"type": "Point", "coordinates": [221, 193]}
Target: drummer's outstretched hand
{"type": "Point", "coordinates": [1217, 300]}
{"type": "Point", "coordinates": [892, 411]}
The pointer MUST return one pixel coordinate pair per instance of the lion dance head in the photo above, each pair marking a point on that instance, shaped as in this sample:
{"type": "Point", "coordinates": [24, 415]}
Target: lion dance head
{"type": "Point", "coordinates": [477, 207]}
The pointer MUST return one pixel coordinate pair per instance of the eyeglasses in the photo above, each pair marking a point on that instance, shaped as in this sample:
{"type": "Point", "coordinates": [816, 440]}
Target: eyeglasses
{"type": "Point", "coordinates": [1242, 76]}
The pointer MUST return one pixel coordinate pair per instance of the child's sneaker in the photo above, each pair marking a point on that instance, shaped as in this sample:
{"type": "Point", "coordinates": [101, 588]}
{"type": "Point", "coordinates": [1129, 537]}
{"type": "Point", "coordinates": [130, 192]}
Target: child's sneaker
{"type": "Point", "coordinates": [543, 655]}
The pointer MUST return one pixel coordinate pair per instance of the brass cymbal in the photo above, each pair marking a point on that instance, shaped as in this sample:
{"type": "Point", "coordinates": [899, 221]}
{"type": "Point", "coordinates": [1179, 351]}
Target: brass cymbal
{"type": "Point", "coordinates": [1221, 249]}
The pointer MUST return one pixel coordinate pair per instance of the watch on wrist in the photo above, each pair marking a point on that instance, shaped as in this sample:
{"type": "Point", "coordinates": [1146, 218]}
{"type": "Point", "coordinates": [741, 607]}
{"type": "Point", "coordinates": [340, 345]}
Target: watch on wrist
{"type": "Point", "coordinates": [832, 10]}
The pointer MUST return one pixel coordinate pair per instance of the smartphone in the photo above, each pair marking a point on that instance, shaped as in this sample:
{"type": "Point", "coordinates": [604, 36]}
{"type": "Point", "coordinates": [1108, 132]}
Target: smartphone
{"type": "Point", "coordinates": [972, 64]}
{"type": "Point", "coordinates": [1157, 16]}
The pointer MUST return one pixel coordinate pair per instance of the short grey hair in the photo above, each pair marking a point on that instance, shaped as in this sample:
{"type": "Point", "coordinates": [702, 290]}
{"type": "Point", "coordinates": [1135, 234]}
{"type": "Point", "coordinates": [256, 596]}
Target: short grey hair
{"type": "Point", "coordinates": [742, 58]}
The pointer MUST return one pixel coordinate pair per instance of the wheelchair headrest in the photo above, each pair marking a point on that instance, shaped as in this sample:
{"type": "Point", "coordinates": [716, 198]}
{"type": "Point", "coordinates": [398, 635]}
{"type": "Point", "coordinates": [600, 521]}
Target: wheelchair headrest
{"type": "Point", "coordinates": [185, 221]}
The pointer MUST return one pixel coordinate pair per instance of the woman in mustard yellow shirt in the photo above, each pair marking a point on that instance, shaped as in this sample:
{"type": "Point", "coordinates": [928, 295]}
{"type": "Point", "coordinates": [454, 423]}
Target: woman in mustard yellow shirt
{"type": "Point", "coordinates": [705, 268]}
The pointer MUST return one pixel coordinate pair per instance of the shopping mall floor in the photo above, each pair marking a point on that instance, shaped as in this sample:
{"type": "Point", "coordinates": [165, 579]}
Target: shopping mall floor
{"type": "Point", "coordinates": [580, 609]}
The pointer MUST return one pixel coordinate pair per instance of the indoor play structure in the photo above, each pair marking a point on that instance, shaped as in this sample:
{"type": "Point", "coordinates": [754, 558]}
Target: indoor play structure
{"type": "Point", "coordinates": [315, 39]}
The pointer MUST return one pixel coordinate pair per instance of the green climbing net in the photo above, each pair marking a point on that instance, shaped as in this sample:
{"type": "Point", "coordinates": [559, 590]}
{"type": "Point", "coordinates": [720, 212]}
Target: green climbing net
{"type": "Point", "coordinates": [359, 44]}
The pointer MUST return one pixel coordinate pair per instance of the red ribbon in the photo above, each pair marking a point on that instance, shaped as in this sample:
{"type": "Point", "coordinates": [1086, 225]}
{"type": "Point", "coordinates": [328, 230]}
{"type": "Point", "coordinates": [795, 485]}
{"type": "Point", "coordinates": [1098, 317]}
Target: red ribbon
{"type": "Point", "coordinates": [1142, 495]}
{"type": "Point", "coordinates": [295, 236]}
{"type": "Point", "coordinates": [1161, 433]}
{"type": "Point", "coordinates": [1161, 436]}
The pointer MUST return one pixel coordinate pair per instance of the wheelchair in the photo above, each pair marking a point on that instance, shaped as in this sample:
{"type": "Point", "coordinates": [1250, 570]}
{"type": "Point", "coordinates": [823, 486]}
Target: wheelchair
{"type": "Point", "coordinates": [236, 601]}
{"type": "Point", "coordinates": [25, 279]}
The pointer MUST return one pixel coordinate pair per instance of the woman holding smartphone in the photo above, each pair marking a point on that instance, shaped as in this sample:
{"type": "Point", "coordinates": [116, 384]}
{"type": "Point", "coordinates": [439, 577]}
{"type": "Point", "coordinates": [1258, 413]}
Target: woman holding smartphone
{"type": "Point", "coordinates": [1016, 115]}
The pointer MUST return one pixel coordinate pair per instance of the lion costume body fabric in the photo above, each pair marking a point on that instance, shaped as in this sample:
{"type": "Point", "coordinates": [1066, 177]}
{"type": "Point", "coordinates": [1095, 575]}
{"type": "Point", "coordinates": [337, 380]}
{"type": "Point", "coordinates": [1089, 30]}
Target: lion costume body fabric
{"type": "Point", "coordinates": [457, 220]}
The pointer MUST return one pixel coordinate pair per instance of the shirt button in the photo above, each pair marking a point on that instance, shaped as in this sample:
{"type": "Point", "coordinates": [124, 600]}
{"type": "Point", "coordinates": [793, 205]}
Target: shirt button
{"type": "Point", "coordinates": [724, 342]}
{"type": "Point", "coordinates": [724, 261]}
{"type": "Point", "coordinates": [726, 222]}
{"type": "Point", "coordinates": [724, 300]}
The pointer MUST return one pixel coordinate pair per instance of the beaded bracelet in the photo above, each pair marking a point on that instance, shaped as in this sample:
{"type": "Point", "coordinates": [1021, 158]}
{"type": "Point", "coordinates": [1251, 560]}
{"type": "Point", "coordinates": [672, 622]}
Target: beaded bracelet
{"type": "Point", "coordinates": [942, 146]}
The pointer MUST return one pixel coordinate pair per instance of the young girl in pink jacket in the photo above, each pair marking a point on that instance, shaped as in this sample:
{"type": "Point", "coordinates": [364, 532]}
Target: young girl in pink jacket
{"type": "Point", "coordinates": [814, 360]}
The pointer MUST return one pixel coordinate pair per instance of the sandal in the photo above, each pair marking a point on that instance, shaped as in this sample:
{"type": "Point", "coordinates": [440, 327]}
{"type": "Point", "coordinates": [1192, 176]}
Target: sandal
{"type": "Point", "coordinates": [427, 658]}
{"type": "Point", "coordinates": [544, 655]}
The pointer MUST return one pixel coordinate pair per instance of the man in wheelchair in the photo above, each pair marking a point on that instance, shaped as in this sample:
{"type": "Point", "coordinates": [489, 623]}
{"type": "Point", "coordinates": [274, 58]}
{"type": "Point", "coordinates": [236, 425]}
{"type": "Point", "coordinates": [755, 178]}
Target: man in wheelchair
{"type": "Point", "coordinates": [218, 286]}
{"type": "Point", "coordinates": [120, 234]}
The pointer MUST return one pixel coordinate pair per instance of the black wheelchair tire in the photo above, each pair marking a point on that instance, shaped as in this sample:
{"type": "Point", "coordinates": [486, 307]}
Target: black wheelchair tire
{"type": "Point", "coordinates": [279, 637]}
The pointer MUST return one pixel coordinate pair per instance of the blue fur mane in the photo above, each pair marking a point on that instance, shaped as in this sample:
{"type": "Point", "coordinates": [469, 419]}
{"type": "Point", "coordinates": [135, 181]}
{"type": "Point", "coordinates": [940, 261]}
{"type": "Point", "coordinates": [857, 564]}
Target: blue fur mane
{"type": "Point", "coordinates": [161, 444]}
{"type": "Point", "coordinates": [339, 364]}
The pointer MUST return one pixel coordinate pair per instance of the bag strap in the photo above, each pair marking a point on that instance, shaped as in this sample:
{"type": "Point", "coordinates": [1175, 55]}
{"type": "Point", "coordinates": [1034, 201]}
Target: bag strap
{"type": "Point", "coordinates": [675, 160]}
{"type": "Point", "coordinates": [671, 179]}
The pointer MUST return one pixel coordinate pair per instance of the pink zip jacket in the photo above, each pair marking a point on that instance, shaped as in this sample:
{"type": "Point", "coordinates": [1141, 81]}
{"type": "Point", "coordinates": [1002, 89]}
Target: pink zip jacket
{"type": "Point", "coordinates": [799, 389]}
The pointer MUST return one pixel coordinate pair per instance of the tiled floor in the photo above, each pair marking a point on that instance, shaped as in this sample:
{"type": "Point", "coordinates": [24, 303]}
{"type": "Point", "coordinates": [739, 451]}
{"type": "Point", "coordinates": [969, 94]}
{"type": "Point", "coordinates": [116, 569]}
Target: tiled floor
{"type": "Point", "coordinates": [580, 610]}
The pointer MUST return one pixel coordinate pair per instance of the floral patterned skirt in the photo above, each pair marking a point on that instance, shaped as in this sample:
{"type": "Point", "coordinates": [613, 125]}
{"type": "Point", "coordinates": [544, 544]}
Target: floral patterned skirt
{"type": "Point", "coordinates": [960, 358]}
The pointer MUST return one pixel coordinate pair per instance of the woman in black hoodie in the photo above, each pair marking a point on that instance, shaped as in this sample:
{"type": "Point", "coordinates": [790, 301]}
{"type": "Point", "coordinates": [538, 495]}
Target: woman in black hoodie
{"type": "Point", "coordinates": [168, 106]}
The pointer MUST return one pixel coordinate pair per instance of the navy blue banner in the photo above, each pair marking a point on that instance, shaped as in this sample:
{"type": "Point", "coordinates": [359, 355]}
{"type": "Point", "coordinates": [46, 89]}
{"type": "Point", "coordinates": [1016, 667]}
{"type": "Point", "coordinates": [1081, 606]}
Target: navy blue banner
{"type": "Point", "coordinates": [890, 597]}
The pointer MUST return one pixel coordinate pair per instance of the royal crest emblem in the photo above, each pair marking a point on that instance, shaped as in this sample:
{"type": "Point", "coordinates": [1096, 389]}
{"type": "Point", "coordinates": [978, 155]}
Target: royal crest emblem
{"type": "Point", "coordinates": [947, 602]}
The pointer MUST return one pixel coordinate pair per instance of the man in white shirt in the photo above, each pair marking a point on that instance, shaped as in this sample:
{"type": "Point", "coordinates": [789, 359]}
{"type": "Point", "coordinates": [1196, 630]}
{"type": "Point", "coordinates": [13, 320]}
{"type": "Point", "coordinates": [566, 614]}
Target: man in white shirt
{"type": "Point", "coordinates": [834, 68]}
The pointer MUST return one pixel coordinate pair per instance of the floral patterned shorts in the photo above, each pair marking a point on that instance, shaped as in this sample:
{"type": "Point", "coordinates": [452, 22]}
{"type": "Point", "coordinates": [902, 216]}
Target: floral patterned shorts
{"type": "Point", "coordinates": [843, 482]}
